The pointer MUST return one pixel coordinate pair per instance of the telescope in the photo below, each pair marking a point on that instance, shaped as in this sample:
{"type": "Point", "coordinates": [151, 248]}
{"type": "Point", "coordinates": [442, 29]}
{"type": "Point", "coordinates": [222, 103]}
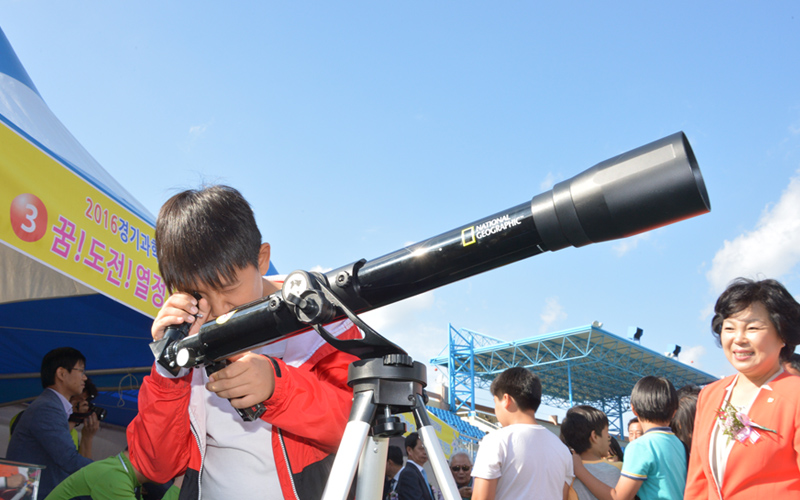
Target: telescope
{"type": "Point", "coordinates": [646, 188]}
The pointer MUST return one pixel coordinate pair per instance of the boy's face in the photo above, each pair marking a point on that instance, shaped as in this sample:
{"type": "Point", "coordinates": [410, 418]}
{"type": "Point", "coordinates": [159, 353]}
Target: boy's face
{"type": "Point", "coordinates": [247, 286]}
{"type": "Point", "coordinates": [602, 445]}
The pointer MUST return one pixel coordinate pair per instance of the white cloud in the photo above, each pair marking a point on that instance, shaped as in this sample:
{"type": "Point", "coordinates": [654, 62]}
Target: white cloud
{"type": "Point", "coordinates": [549, 181]}
{"type": "Point", "coordinates": [320, 269]}
{"type": "Point", "coordinates": [551, 313]}
{"type": "Point", "coordinates": [691, 356]}
{"type": "Point", "coordinates": [197, 130]}
{"type": "Point", "coordinates": [771, 250]}
{"type": "Point", "coordinates": [628, 244]}
{"type": "Point", "coordinates": [398, 314]}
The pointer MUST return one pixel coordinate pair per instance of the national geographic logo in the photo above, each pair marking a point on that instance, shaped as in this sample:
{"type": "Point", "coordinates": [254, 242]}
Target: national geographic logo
{"type": "Point", "coordinates": [468, 236]}
{"type": "Point", "coordinates": [472, 234]}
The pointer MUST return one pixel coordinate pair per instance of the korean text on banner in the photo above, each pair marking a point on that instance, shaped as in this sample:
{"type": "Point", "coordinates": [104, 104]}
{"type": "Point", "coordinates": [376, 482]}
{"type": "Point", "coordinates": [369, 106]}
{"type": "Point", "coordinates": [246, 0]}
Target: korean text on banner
{"type": "Point", "coordinates": [58, 218]}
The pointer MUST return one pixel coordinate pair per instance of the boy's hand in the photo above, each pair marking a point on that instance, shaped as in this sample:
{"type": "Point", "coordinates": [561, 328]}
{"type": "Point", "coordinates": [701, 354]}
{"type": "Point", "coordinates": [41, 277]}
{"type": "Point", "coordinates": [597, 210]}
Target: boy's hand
{"type": "Point", "coordinates": [247, 381]}
{"type": "Point", "coordinates": [180, 308]}
{"type": "Point", "coordinates": [577, 464]}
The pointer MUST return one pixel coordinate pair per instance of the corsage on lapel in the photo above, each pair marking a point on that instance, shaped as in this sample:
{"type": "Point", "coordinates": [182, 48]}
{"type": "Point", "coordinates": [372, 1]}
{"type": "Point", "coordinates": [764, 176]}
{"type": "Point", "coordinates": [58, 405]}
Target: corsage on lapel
{"type": "Point", "coordinates": [737, 425]}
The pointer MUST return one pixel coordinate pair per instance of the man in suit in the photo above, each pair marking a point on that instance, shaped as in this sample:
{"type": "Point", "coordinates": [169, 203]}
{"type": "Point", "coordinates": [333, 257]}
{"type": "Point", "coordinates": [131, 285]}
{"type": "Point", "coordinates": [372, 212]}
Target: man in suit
{"type": "Point", "coordinates": [394, 464]}
{"type": "Point", "coordinates": [42, 434]}
{"type": "Point", "coordinates": [413, 481]}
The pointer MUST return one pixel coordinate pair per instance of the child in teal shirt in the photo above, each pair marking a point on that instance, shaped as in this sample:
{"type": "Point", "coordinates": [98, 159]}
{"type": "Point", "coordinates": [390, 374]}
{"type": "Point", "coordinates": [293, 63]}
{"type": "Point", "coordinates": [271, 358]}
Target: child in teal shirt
{"type": "Point", "coordinates": [654, 467]}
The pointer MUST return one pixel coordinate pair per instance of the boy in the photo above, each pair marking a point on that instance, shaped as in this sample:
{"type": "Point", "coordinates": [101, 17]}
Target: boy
{"type": "Point", "coordinates": [585, 430]}
{"type": "Point", "coordinates": [655, 464]}
{"type": "Point", "coordinates": [522, 459]}
{"type": "Point", "coordinates": [208, 245]}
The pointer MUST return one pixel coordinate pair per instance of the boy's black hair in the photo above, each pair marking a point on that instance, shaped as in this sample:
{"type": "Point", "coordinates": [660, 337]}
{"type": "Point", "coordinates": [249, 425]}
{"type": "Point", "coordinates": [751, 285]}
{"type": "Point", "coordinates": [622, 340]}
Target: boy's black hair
{"type": "Point", "coordinates": [412, 440]}
{"type": "Point", "coordinates": [395, 454]}
{"type": "Point", "coordinates": [62, 357]}
{"type": "Point", "coordinates": [522, 385]}
{"type": "Point", "coordinates": [578, 424]}
{"type": "Point", "coordinates": [783, 309]}
{"type": "Point", "coordinates": [203, 237]}
{"type": "Point", "coordinates": [654, 399]}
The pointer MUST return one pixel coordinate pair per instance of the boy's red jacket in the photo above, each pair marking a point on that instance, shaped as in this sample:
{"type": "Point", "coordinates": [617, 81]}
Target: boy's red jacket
{"type": "Point", "coordinates": [308, 412]}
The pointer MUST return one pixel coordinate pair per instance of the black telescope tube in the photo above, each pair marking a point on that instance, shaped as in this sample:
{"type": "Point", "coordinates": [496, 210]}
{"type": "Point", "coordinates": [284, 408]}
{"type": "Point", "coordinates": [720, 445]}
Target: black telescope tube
{"type": "Point", "coordinates": [489, 243]}
{"type": "Point", "coordinates": [648, 187]}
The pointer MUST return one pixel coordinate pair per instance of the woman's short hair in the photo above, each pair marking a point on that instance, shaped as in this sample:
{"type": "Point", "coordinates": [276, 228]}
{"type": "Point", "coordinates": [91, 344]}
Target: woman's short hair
{"type": "Point", "coordinates": [783, 309]}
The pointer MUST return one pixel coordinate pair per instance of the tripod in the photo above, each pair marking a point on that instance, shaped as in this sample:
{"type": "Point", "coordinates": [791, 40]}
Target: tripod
{"type": "Point", "coordinates": [382, 387]}
{"type": "Point", "coordinates": [385, 381]}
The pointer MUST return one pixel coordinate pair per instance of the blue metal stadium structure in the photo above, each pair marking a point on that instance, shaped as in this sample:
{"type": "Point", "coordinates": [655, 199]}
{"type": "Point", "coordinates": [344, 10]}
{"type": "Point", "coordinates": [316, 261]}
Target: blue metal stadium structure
{"type": "Point", "coordinates": [585, 365]}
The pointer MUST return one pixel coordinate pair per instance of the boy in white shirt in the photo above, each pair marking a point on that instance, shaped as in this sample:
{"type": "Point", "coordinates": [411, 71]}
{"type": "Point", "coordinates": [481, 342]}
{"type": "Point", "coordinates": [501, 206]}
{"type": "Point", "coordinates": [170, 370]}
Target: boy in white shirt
{"type": "Point", "coordinates": [523, 459]}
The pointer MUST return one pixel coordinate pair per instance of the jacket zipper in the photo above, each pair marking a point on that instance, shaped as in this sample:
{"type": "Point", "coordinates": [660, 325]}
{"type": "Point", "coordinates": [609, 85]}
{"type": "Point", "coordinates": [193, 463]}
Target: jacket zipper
{"type": "Point", "coordinates": [202, 461]}
{"type": "Point", "coordinates": [288, 465]}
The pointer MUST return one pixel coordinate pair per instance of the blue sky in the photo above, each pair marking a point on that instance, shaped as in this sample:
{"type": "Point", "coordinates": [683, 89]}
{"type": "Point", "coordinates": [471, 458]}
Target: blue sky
{"type": "Point", "coordinates": [356, 128]}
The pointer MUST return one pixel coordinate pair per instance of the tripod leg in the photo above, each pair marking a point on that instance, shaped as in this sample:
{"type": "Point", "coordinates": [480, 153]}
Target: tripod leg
{"type": "Point", "coordinates": [350, 449]}
{"type": "Point", "coordinates": [438, 462]}
{"type": "Point", "coordinates": [372, 469]}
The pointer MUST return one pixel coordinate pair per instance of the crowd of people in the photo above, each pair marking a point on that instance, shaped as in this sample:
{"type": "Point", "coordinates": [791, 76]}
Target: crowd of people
{"type": "Point", "coordinates": [737, 438]}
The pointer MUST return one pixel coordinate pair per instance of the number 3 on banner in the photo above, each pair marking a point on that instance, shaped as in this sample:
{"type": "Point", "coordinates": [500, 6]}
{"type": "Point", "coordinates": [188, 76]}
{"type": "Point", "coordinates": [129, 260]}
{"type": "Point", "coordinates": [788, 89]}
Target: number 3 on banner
{"type": "Point", "coordinates": [28, 217]}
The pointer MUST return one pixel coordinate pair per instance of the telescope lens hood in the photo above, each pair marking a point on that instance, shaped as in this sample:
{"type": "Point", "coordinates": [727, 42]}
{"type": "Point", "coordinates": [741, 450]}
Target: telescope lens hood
{"type": "Point", "coordinates": [648, 187]}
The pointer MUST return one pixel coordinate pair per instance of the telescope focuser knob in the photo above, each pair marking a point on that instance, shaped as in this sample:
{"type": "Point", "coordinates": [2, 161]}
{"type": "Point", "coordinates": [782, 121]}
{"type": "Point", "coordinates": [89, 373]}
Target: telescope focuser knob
{"type": "Point", "coordinates": [311, 307]}
{"type": "Point", "coordinates": [398, 360]}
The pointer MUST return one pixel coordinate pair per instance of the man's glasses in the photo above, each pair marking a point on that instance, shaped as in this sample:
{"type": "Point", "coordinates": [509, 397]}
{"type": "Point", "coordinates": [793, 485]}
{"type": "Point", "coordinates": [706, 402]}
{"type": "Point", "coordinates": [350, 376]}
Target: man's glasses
{"type": "Point", "coordinates": [457, 468]}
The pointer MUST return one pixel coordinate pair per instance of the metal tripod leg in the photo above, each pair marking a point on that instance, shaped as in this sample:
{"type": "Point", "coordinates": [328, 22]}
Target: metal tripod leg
{"type": "Point", "coordinates": [372, 468]}
{"type": "Point", "coordinates": [435, 454]}
{"type": "Point", "coordinates": [351, 449]}
{"type": "Point", "coordinates": [391, 384]}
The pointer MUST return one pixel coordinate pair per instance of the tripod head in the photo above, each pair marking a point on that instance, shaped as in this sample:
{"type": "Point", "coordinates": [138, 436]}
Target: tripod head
{"type": "Point", "coordinates": [651, 186]}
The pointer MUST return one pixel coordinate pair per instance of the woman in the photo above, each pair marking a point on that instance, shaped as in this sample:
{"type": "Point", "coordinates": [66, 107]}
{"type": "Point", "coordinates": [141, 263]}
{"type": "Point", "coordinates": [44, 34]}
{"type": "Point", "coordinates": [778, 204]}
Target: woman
{"type": "Point", "coordinates": [682, 423]}
{"type": "Point", "coordinates": [461, 467]}
{"type": "Point", "coordinates": [615, 454]}
{"type": "Point", "coordinates": [746, 441]}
